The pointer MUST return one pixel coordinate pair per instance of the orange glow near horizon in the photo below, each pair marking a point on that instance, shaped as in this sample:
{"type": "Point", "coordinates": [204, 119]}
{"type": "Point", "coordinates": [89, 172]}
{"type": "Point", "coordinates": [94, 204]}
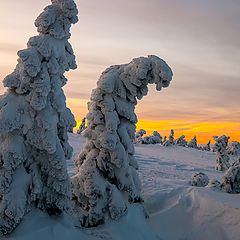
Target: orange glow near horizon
{"type": "Point", "coordinates": [203, 130]}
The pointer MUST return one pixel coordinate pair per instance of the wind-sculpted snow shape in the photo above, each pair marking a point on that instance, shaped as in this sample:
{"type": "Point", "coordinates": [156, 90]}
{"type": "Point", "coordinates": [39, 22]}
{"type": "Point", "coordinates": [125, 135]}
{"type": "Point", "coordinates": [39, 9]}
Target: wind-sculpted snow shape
{"type": "Point", "coordinates": [107, 176]}
{"type": "Point", "coordinates": [222, 158]}
{"type": "Point", "coordinates": [34, 121]}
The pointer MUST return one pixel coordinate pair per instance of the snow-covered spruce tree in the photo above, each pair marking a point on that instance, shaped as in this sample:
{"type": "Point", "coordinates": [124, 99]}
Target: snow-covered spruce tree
{"type": "Point", "coordinates": [222, 158]}
{"type": "Point", "coordinates": [193, 143]}
{"type": "Point", "coordinates": [181, 141]}
{"type": "Point", "coordinates": [233, 148]}
{"type": "Point", "coordinates": [82, 126]}
{"type": "Point", "coordinates": [34, 121]}
{"type": "Point", "coordinates": [170, 140]}
{"type": "Point", "coordinates": [231, 180]}
{"type": "Point", "coordinates": [106, 176]}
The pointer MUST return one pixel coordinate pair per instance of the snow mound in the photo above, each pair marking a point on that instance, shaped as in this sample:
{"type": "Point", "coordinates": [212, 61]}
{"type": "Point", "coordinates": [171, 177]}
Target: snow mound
{"type": "Point", "coordinates": [196, 213]}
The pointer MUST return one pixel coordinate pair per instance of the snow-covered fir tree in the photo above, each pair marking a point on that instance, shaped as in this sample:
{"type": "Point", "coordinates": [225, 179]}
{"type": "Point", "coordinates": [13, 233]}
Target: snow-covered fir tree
{"type": "Point", "coordinates": [233, 148]}
{"type": "Point", "coordinates": [82, 126]}
{"type": "Point", "coordinates": [193, 143]}
{"type": "Point", "coordinates": [222, 158]}
{"type": "Point", "coordinates": [231, 179]}
{"type": "Point", "coordinates": [107, 176]}
{"type": "Point", "coordinates": [170, 140]}
{"type": "Point", "coordinates": [181, 141]}
{"type": "Point", "coordinates": [34, 121]}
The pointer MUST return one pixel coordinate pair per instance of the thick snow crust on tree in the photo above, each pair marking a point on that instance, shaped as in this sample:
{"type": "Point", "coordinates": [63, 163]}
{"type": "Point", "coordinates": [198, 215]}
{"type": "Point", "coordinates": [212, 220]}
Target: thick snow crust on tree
{"type": "Point", "coordinates": [34, 121]}
{"type": "Point", "coordinates": [82, 126]}
{"type": "Point", "coordinates": [107, 176]}
{"type": "Point", "coordinates": [231, 179]}
{"type": "Point", "coordinates": [222, 158]}
{"type": "Point", "coordinates": [199, 179]}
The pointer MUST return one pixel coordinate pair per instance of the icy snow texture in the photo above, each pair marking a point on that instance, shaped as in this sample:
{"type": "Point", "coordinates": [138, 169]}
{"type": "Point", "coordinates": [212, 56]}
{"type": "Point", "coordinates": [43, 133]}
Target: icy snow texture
{"type": "Point", "coordinates": [107, 170]}
{"type": "Point", "coordinates": [34, 121]}
{"type": "Point", "coordinates": [222, 158]}
{"type": "Point", "coordinates": [82, 126]}
{"type": "Point", "coordinates": [199, 180]}
{"type": "Point", "coordinates": [231, 178]}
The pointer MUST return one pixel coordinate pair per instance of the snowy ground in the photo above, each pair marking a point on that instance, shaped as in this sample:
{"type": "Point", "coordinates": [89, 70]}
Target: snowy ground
{"type": "Point", "coordinates": [177, 211]}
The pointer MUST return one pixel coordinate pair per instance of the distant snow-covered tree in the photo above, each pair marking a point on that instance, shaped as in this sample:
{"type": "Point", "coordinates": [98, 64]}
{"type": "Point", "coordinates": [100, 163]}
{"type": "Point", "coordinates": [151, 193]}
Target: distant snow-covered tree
{"type": "Point", "coordinates": [139, 136]}
{"type": "Point", "coordinates": [181, 141]}
{"type": "Point", "coordinates": [82, 126]}
{"type": "Point", "coordinates": [152, 139]}
{"type": "Point", "coordinates": [206, 147]}
{"type": "Point", "coordinates": [34, 121]}
{"type": "Point", "coordinates": [193, 143]}
{"type": "Point", "coordinates": [199, 180]}
{"type": "Point", "coordinates": [233, 148]}
{"type": "Point", "coordinates": [170, 140]}
{"type": "Point", "coordinates": [107, 176]}
{"type": "Point", "coordinates": [222, 158]}
{"type": "Point", "coordinates": [231, 179]}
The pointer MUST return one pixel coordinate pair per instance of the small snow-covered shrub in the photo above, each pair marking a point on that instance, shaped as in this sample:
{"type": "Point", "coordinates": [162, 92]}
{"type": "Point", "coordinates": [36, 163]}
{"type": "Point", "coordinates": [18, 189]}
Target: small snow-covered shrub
{"type": "Point", "coordinates": [181, 141]}
{"type": "Point", "coordinates": [233, 148]}
{"type": "Point", "coordinates": [82, 126]}
{"type": "Point", "coordinates": [106, 167]}
{"type": "Point", "coordinates": [199, 180]}
{"type": "Point", "coordinates": [34, 121]}
{"type": "Point", "coordinates": [222, 158]}
{"type": "Point", "coordinates": [231, 179]}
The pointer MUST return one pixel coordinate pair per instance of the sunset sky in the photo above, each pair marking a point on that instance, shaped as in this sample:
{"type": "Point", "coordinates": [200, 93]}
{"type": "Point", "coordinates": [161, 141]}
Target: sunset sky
{"type": "Point", "coordinates": [198, 39]}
